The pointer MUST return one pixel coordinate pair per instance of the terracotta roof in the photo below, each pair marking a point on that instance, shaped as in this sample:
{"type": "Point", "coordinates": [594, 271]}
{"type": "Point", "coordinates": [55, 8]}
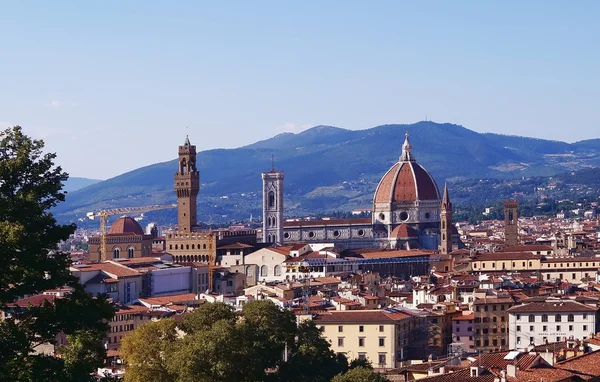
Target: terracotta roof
{"type": "Point", "coordinates": [551, 307]}
{"type": "Point", "coordinates": [360, 316]}
{"type": "Point", "coordinates": [37, 300]}
{"type": "Point", "coordinates": [523, 248]}
{"type": "Point", "coordinates": [126, 225]}
{"type": "Point", "coordinates": [492, 256]}
{"type": "Point", "coordinates": [464, 317]}
{"type": "Point", "coordinates": [584, 365]}
{"type": "Point", "coordinates": [395, 253]}
{"type": "Point", "coordinates": [165, 300]}
{"type": "Point", "coordinates": [404, 231]}
{"type": "Point", "coordinates": [114, 269]}
{"type": "Point", "coordinates": [236, 246]}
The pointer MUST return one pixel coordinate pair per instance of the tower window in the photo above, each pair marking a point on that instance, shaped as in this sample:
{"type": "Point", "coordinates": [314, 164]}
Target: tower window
{"type": "Point", "coordinates": [271, 201]}
{"type": "Point", "coordinates": [116, 253]}
{"type": "Point", "coordinates": [130, 252]}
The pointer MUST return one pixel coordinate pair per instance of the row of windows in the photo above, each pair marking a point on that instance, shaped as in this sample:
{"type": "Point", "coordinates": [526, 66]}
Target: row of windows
{"type": "Point", "coordinates": [479, 320]}
{"type": "Point", "coordinates": [531, 339]}
{"type": "Point", "coordinates": [117, 252]}
{"type": "Point", "coordinates": [486, 330]}
{"type": "Point", "coordinates": [545, 328]}
{"type": "Point", "coordinates": [120, 328]}
{"type": "Point", "coordinates": [264, 271]}
{"type": "Point", "coordinates": [361, 328]}
{"type": "Point", "coordinates": [485, 308]}
{"type": "Point", "coordinates": [503, 265]}
{"type": "Point", "coordinates": [560, 276]}
{"type": "Point", "coordinates": [486, 342]}
{"type": "Point", "coordinates": [568, 265]}
{"type": "Point", "coordinates": [187, 246]}
{"type": "Point", "coordinates": [557, 318]}
{"type": "Point", "coordinates": [361, 341]}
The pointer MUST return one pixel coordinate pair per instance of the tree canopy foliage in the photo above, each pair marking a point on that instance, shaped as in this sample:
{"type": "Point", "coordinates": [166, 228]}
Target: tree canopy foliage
{"type": "Point", "coordinates": [30, 184]}
{"type": "Point", "coordinates": [260, 343]}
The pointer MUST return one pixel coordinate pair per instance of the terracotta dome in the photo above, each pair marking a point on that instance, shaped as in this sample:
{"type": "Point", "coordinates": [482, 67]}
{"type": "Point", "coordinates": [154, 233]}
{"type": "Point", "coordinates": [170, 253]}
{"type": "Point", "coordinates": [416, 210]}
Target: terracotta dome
{"type": "Point", "coordinates": [406, 181]}
{"type": "Point", "coordinates": [126, 226]}
{"type": "Point", "coordinates": [404, 231]}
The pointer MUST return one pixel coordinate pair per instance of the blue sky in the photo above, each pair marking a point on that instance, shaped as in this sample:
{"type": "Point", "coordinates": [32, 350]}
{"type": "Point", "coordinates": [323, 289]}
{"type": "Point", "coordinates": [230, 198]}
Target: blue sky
{"type": "Point", "coordinates": [111, 86]}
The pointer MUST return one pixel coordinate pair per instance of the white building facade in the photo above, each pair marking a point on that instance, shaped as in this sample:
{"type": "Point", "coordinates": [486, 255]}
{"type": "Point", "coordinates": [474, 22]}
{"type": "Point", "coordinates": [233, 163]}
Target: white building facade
{"type": "Point", "coordinates": [551, 320]}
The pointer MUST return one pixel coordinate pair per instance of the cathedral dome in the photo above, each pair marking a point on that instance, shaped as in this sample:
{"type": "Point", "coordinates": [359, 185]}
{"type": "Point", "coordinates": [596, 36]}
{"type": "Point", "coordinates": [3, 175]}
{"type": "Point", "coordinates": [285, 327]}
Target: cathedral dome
{"type": "Point", "coordinates": [406, 181]}
{"type": "Point", "coordinates": [126, 226]}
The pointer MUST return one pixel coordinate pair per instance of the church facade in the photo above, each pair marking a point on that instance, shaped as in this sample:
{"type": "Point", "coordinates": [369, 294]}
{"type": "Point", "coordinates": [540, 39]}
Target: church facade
{"type": "Point", "coordinates": [408, 212]}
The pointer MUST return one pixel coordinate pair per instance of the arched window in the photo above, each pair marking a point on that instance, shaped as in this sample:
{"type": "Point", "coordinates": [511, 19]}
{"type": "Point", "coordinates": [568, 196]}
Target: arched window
{"type": "Point", "coordinates": [187, 246]}
{"type": "Point", "coordinates": [277, 271]}
{"type": "Point", "coordinates": [248, 271]}
{"type": "Point", "coordinates": [264, 270]}
{"type": "Point", "coordinates": [193, 246]}
{"type": "Point", "coordinates": [203, 246]}
{"type": "Point", "coordinates": [130, 252]}
{"type": "Point", "coordinates": [558, 318]}
{"type": "Point", "coordinates": [170, 246]}
{"type": "Point", "coordinates": [271, 197]}
{"type": "Point", "coordinates": [176, 246]}
{"type": "Point", "coordinates": [183, 166]}
{"type": "Point", "coordinates": [570, 318]}
{"type": "Point", "coordinates": [544, 317]}
{"type": "Point", "coordinates": [532, 318]}
{"type": "Point", "coordinates": [116, 253]}
{"type": "Point", "coordinates": [443, 224]}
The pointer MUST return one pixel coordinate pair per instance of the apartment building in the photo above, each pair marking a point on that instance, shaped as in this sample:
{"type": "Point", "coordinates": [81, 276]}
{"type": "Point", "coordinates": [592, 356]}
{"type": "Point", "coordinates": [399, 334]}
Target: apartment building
{"type": "Point", "coordinates": [381, 336]}
{"type": "Point", "coordinates": [491, 322]}
{"type": "Point", "coordinates": [552, 320]}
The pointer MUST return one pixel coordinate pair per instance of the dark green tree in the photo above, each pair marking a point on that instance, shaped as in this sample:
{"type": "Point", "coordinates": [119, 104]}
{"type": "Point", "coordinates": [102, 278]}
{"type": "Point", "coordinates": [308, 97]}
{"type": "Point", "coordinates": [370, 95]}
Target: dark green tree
{"type": "Point", "coordinates": [148, 349]}
{"type": "Point", "coordinates": [206, 315]}
{"type": "Point", "coordinates": [30, 185]}
{"type": "Point", "coordinates": [311, 358]}
{"type": "Point", "coordinates": [360, 374]}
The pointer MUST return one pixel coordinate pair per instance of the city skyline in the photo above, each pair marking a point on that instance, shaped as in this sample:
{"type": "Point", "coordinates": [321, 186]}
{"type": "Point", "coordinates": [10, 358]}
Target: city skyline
{"type": "Point", "coordinates": [107, 87]}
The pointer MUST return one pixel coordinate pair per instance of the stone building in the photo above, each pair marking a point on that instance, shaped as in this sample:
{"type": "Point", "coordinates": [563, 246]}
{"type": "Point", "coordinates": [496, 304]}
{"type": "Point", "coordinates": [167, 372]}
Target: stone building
{"type": "Point", "coordinates": [272, 207]}
{"type": "Point", "coordinates": [190, 243]}
{"type": "Point", "coordinates": [406, 214]}
{"type": "Point", "coordinates": [125, 239]}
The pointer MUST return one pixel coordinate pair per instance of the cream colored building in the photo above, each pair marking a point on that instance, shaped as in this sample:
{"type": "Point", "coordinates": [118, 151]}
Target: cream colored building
{"type": "Point", "coordinates": [506, 261]}
{"type": "Point", "coordinates": [377, 335]}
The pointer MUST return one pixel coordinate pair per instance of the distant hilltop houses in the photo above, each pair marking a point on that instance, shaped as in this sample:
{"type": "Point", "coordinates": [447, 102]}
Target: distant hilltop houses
{"type": "Point", "coordinates": [400, 284]}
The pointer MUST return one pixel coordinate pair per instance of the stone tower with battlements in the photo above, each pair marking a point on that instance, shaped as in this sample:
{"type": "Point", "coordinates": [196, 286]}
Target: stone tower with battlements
{"type": "Point", "coordinates": [187, 186]}
{"type": "Point", "coordinates": [446, 223]}
{"type": "Point", "coordinates": [511, 222]}
{"type": "Point", "coordinates": [272, 207]}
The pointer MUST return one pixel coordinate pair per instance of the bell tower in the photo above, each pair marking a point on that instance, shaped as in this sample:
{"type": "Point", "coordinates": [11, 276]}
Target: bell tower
{"type": "Point", "coordinates": [187, 186]}
{"type": "Point", "coordinates": [446, 223]}
{"type": "Point", "coordinates": [511, 220]}
{"type": "Point", "coordinates": [272, 207]}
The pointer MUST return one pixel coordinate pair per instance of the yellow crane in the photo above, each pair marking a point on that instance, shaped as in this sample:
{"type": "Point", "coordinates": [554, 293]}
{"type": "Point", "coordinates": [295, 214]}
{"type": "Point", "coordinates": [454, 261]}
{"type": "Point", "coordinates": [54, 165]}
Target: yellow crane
{"type": "Point", "coordinates": [104, 214]}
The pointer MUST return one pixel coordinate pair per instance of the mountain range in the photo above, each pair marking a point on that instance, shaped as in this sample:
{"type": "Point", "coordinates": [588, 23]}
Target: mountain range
{"type": "Point", "coordinates": [329, 168]}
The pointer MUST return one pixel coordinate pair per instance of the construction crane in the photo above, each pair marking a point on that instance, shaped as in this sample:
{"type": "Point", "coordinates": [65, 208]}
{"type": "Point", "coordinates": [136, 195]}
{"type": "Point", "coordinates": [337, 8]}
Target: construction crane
{"type": "Point", "coordinates": [104, 214]}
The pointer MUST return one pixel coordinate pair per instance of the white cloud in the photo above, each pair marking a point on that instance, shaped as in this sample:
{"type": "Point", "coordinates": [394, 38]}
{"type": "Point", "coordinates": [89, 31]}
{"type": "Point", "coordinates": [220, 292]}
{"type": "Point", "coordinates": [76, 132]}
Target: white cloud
{"type": "Point", "coordinates": [56, 103]}
{"type": "Point", "coordinates": [291, 127]}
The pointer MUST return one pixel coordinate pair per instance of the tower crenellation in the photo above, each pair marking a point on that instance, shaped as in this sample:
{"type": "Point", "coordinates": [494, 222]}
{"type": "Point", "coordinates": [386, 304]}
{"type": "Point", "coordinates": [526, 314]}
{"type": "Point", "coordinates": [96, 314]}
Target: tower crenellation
{"type": "Point", "coordinates": [187, 187]}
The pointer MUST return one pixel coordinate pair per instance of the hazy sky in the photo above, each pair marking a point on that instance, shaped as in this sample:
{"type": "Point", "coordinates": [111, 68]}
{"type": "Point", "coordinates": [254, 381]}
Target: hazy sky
{"type": "Point", "coordinates": [111, 86]}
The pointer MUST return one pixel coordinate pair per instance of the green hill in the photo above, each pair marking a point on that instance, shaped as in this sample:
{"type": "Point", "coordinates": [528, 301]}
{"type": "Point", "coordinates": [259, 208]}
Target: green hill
{"type": "Point", "coordinates": [329, 168]}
